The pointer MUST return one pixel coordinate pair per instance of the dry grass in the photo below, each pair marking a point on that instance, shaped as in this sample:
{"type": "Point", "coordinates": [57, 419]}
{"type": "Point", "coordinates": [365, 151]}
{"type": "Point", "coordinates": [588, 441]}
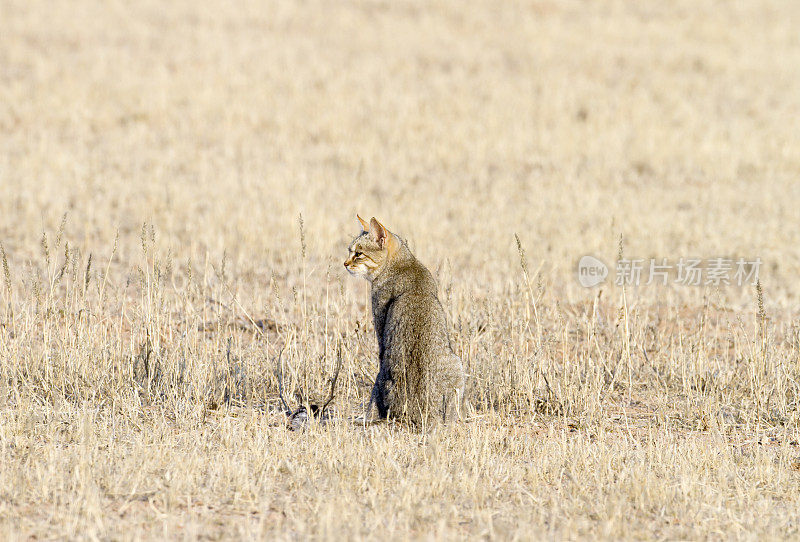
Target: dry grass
{"type": "Point", "coordinates": [139, 335]}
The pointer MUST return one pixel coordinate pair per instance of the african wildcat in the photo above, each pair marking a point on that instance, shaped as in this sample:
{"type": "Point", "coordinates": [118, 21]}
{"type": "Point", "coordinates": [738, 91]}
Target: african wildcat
{"type": "Point", "coordinates": [420, 379]}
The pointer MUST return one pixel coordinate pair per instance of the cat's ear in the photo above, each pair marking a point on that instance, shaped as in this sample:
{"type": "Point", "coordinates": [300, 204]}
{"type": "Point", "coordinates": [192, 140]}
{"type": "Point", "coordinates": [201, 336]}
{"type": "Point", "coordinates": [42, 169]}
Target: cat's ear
{"type": "Point", "coordinates": [364, 225]}
{"type": "Point", "coordinates": [378, 232]}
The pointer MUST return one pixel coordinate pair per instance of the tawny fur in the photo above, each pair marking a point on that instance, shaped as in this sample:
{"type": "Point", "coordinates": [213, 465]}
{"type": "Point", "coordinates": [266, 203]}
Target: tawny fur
{"type": "Point", "coordinates": [419, 379]}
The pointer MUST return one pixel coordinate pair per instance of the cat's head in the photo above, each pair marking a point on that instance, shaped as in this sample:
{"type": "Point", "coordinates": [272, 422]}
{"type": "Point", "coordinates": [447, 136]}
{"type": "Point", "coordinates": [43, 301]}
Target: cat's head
{"type": "Point", "coordinates": [371, 249]}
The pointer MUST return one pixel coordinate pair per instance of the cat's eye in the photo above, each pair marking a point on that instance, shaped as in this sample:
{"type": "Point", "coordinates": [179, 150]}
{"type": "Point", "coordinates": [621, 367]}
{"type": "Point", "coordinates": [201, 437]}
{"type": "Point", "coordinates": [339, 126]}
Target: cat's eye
{"type": "Point", "coordinates": [357, 254]}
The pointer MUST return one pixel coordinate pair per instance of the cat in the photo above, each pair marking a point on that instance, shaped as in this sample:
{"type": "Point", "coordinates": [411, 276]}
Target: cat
{"type": "Point", "coordinates": [419, 379]}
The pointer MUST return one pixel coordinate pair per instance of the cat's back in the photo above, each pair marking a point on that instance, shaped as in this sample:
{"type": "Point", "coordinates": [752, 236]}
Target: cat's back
{"type": "Point", "coordinates": [417, 347]}
{"type": "Point", "coordinates": [415, 316]}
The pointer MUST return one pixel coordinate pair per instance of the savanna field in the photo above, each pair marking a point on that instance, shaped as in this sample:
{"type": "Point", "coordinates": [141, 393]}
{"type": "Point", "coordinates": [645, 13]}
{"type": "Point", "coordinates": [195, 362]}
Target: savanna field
{"type": "Point", "coordinates": [178, 187]}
